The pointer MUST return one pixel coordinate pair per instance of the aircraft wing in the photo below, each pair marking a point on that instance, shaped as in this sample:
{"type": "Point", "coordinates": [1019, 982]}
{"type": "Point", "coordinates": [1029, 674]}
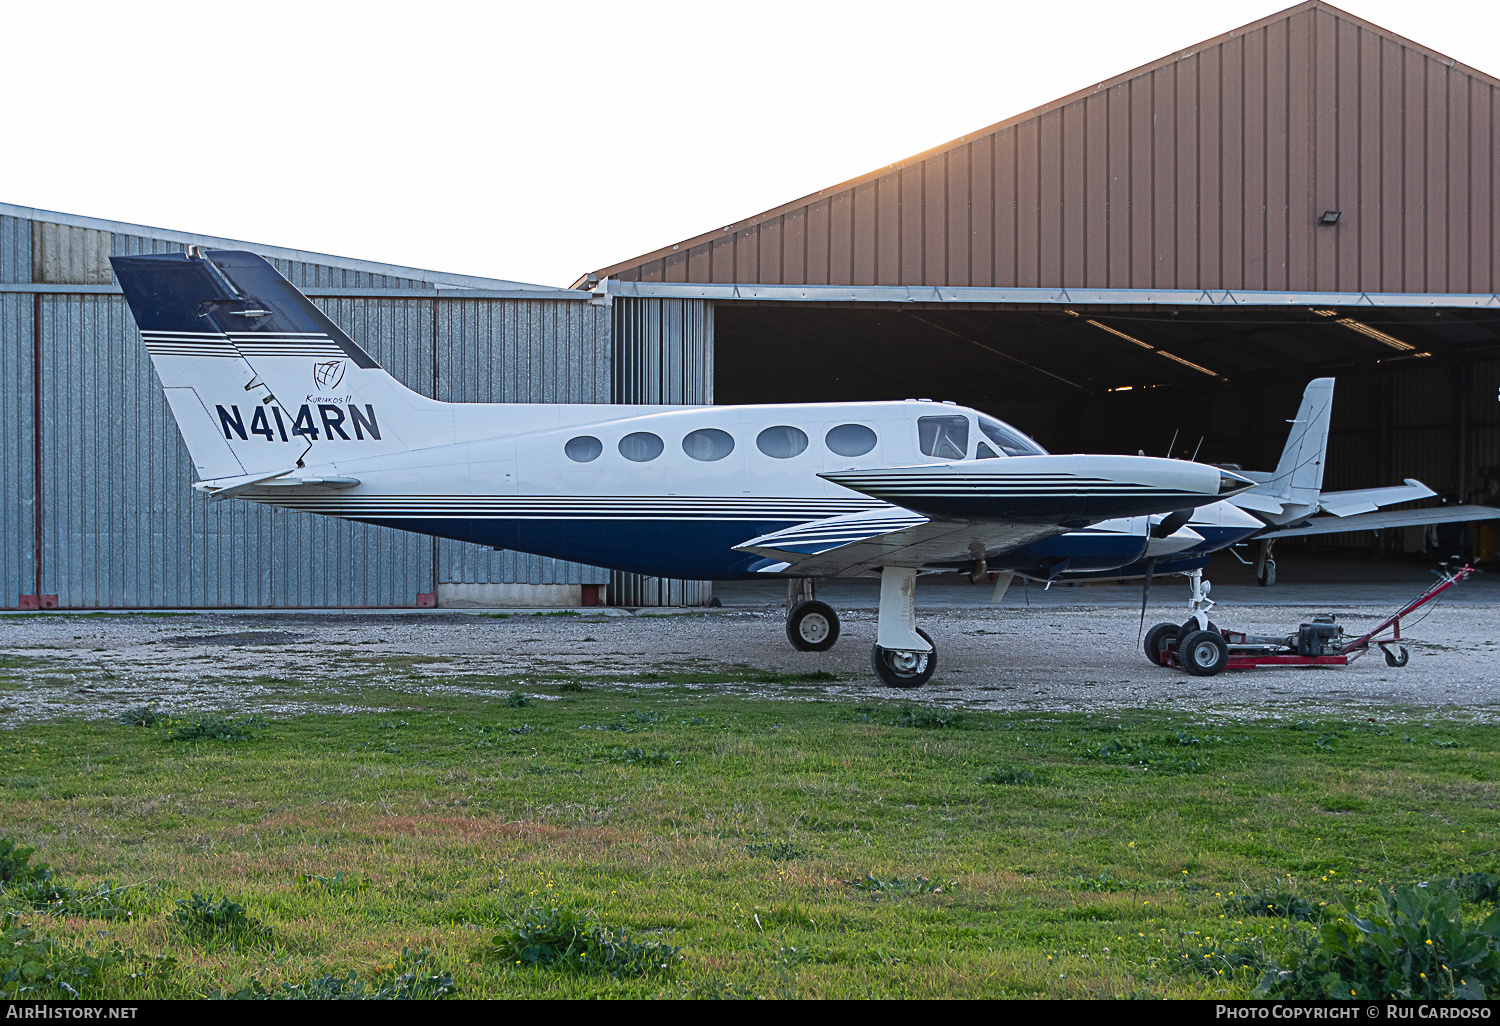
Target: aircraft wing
{"type": "Point", "coordinates": [1379, 521]}
{"type": "Point", "coordinates": [1367, 500]}
{"type": "Point", "coordinates": [855, 544]}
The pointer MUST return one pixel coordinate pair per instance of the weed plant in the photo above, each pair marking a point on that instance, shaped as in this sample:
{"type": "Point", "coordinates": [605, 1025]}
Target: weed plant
{"type": "Point", "coordinates": [562, 940]}
{"type": "Point", "coordinates": [1413, 944]}
{"type": "Point", "coordinates": [216, 919]}
{"type": "Point", "coordinates": [411, 978]}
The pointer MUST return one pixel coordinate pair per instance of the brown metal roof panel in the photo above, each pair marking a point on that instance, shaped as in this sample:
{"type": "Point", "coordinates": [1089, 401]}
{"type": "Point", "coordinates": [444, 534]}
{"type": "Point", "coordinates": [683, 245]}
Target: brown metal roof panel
{"type": "Point", "coordinates": [1005, 207]}
{"type": "Point", "coordinates": [1301, 88]}
{"type": "Point", "coordinates": [1028, 170]}
{"type": "Point", "coordinates": [721, 259]}
{"type": "Point", "coordinates": [1094, 172]}
{"type": "Point", "coordinates": [794, 247]}
{"type": "Point", "coordinates": [1277, 130]}
{"type": "Point", "coordinates": [1435, 178]}
{"type": "Point", "coordinates": [866, 250]}
{"type": "Point", "coordinates": [817, 243]}
{"type": "Point", "coordinates": [700, 263]}
{"type": "Point", "coordinates": [747, 255]}
{"type": "Point", "coordinates": [959, 210]}
{"type": "Point", "coordinates": [1209, 270]}
{"type": "Point", "coordinates": [934, 185]}
{"type": "Point", "coordinates": [772, 250]}
{"type": "Point", "coordinates": [906, 216]}
{"type": "Point", "coordinates": [1188, 213]}
{"type": "Point", "coordinates": [1051, 165]}
{"type": "Point", "coordinates": [888, 230]}
{"type": "Point", "coordinates": [982, 212]}
{"type": "Point", "coordinates": [840, 236]}
{"type": "Point", "coordinates": [1481, 235]}
{"type": "Point", "coordinates": [1460, 117]}
{"type": "Point", "coordinates": [1163, 209]}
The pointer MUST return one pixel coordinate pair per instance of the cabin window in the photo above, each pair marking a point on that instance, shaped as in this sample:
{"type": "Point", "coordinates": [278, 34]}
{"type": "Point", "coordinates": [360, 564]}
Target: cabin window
{"type": "Point", "coordinates": [708, 444]}
{"type": "Point", "coordinates": [781, 443]}
{"type": "Point", "coordinates": [947, 438]}
{"type": "Point", "coordinates": [984, 452]}
{"type": "Point", "coordinates": [583, 449]}
{"type": "Point", "coordinates": [641, 447]}
{"type": "Point", "coordinates": [1008, 440]}
{"type": "Point", "coordinates": [850, 439]}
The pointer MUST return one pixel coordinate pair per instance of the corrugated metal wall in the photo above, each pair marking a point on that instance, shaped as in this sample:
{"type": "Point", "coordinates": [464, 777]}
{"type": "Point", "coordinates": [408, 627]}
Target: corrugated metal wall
{"type": "Point", "coordinates": [1206, 169]}
{"type": "Point", "coordinates": [663, 353]}
{"type": "Point", "coordinates": [120, 525]}
{"type": "Point", "coordinates": [17, 456]}
{"type": "Point", "coordinates": [527, 352]}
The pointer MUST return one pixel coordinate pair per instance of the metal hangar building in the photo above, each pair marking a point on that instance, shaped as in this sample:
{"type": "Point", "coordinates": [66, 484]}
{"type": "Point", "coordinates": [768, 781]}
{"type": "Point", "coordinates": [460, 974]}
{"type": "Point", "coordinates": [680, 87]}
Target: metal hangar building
{"type": "Point", "coordinates": [1173, 252]}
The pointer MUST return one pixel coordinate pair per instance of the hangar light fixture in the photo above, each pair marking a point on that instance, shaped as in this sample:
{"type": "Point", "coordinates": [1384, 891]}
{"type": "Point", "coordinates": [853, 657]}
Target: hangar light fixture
{"type": "Point", "coordinates": [1367, 331]}
{"type": "Point", "coordinates": [1330, 217]}
{"type": "Point", "coordinates": [1159, 352]}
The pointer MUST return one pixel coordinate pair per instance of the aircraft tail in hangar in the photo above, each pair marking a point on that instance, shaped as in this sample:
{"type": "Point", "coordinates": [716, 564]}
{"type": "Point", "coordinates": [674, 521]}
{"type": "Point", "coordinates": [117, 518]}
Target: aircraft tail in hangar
{"type": "Point", "coordinates": [259, 379]}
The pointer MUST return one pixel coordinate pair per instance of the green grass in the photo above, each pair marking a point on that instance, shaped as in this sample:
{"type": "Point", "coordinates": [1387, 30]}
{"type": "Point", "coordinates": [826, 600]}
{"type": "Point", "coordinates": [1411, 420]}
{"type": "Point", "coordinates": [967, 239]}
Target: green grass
{"type": "Point", "coordinates": [803, 848]}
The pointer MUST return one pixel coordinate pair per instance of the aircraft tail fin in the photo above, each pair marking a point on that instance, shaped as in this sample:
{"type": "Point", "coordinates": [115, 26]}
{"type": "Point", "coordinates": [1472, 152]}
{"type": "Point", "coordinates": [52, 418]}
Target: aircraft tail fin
{"type": "Point", "coordinates": [1298, 479]}
{"type": "Point", "coordinates": [259, 379]}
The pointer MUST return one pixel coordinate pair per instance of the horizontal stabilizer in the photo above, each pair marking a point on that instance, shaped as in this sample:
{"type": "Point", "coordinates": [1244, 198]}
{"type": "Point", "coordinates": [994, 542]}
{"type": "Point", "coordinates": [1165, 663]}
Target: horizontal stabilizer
{"type": "Point", "coordinates": [292, 477]}
{"type": "Point", "coordinates": [1384, 521]}
{"type": "Point", "coordinates": [1367, 500]}
{"type": "Point", "coordinates": [1259, 502]}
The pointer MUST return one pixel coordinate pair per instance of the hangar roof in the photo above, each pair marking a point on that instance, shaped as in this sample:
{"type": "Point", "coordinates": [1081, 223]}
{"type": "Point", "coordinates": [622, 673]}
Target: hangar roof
{"type": "Point", "coordinates": [1210, 168]}
{"type": "Point", "coordinates": [367, 267]}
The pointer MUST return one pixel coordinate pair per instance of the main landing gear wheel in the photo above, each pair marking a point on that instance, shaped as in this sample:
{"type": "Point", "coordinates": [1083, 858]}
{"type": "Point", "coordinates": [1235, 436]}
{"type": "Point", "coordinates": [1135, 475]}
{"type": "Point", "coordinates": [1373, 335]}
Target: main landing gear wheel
{"type": "Point", "coordinates": [904, 670]}
{"type": "Point", "coordinates": [1156, 639]}
{"type": "Point", "coordinates": [1266, 575]}
{"type": "Point", "coordinates": [1203, 653]}
{"type": "Point", "coordinates": [812, 626]}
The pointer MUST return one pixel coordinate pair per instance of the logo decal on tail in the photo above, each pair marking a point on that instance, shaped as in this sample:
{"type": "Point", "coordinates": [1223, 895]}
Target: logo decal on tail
{"type": "Point", "coordinates": [326, 376]}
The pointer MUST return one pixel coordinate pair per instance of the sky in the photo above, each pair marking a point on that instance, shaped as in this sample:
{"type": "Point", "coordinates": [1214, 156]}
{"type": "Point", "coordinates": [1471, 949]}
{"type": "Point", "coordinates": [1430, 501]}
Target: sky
{"type": "Point", "coordinates": [535, 142]}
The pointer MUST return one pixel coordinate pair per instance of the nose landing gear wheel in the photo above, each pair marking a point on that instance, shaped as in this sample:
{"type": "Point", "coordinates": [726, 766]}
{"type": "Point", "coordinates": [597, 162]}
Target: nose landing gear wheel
{"type": "Point", "coordinates": [1191, 626]}
{"type": "Point", "coordinates": [812, 626]}
{"type": "Point", "coordinates": [1158, 636]}
{"type": "Point", "coordinates": [904, 670]}
{"type": "Point", "coordinates": [1203, 653]}
{"type": "Point", "coordinates": [1266, 575]}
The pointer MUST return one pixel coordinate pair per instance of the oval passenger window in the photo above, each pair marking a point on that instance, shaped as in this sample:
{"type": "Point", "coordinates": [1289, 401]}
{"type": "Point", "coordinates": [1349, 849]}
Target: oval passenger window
{"type": "Point", "coordinates": [850, 439]}
{"type": "Point", "coordinates": [708, 444]}
{"type": "Point", "coordinates": [583, 449]}
{"type": "Point", "coordinates": [641, 447]}
{"type": "Point", "coordinates": [782, 442]}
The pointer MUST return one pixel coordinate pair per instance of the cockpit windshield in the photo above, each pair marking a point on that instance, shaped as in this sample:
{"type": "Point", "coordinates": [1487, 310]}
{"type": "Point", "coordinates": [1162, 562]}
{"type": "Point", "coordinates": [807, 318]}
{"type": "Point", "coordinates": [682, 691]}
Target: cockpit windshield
{"type": "Point", "coordinates": [947, 438]}
{"type": "Point", "coordinates": [1008, 440]}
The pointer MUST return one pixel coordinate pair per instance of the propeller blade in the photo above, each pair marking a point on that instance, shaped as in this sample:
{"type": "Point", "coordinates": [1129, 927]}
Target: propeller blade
{"type": "Point", "coordinates": [1172, 523]}
{"type": "Point", "coordinates": [1145, 594]}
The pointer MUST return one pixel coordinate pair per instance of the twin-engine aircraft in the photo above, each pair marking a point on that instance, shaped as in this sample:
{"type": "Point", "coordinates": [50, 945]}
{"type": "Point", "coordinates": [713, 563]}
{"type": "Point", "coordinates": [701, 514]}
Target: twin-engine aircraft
{"type": "Point", "coordinates": [1288, 502]}
{"type": "Point", "coordinates": [277, 405]}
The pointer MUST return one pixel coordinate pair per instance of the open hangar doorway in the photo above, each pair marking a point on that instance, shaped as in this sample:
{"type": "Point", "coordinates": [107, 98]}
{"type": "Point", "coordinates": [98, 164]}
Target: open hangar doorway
{"type": "Point", "coordinates": [1416, 393]}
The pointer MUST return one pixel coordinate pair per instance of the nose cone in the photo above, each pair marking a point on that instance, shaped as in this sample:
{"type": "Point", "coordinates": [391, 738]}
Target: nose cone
{"type": "Point", "coordinates": [1233, 484]}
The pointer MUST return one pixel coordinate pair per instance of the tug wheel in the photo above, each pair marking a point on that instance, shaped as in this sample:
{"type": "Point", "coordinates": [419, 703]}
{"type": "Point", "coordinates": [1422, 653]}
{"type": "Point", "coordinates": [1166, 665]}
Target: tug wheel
{"type": "Point", "coordinates": [812, 626]}
{"type": "Point", "coordinates": [1203, 653]}
{"type": "Point", "coordinates": [1392, 659]}
{"type": "Point", "coordinates": [1156, 637]}
{"type": "Point", "coordinates": [904, 670]}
